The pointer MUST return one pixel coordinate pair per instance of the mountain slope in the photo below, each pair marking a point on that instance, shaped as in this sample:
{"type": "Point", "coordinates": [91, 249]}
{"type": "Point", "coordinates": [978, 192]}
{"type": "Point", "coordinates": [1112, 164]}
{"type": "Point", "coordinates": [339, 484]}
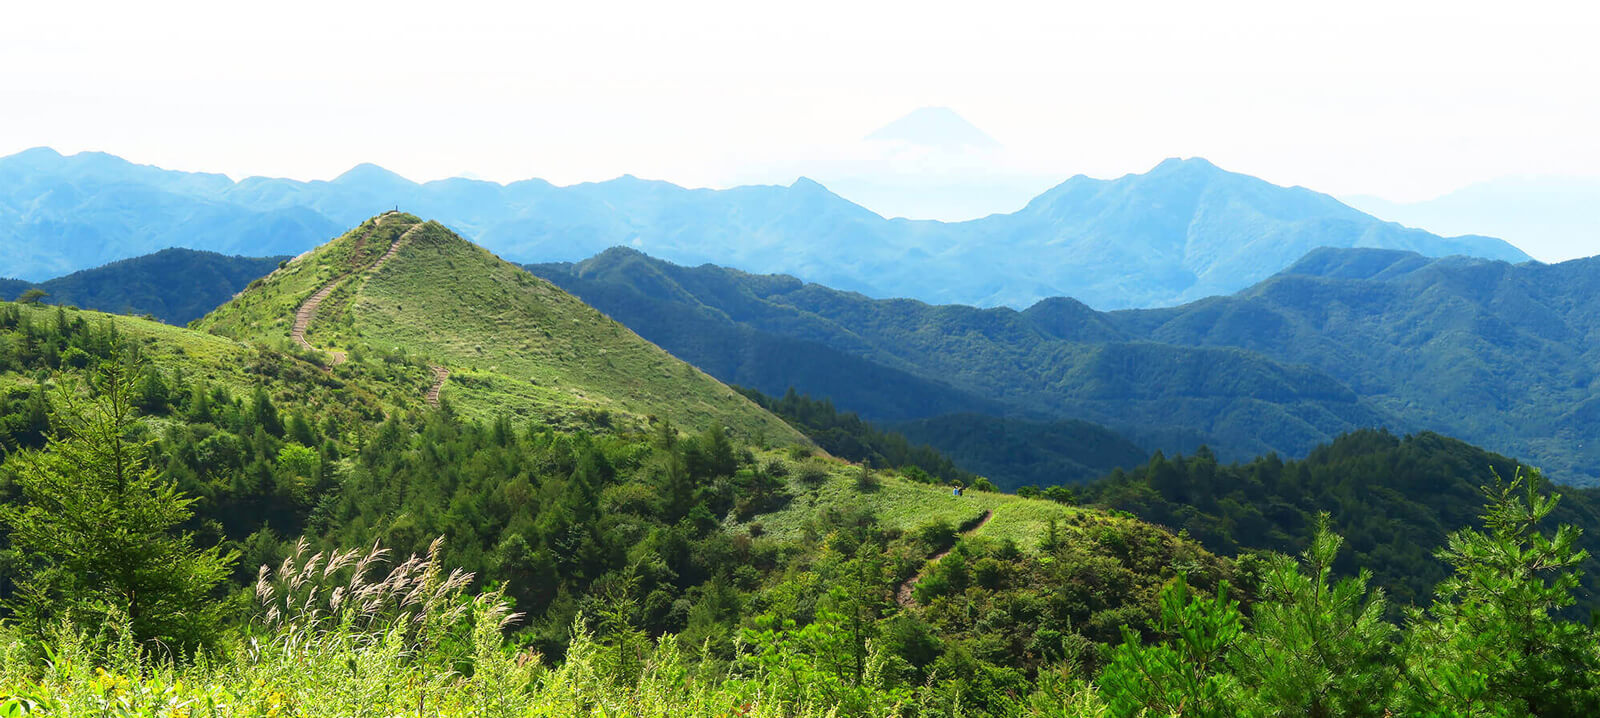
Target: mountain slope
{"type": "Point", "coordinates": [1184, 230]}
{"type": "Point", "coordinates": [1187, 230]}
{"type": "Point", "coordinates": [175, 286]}
{"type": "Point", "coordinates": [513, 344]}
{"type": "Point", "coordinates": [697, 314]}
{"type": "Point", "coordinates": [1018, 453]}
{"type": "Point", "coordinates": [1394, 499]}
{"type": "Point", "coordinates": [1496, 354]}
{"type": "Point", "coordinates": [1162, 396]}
{"type": "Point", "coordinates": [1550, 217]}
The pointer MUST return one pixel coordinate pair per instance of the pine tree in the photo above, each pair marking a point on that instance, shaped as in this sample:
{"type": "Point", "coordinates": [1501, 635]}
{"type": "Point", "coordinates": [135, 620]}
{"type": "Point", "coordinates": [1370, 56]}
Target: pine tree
{"type": "Point", "coordinates": [98, 528]}
{"type": "Point", "coordinates": [1494, 643]}
{"type": "Point", "coordinates": [1186, 674]}
{"type": "Point", "coordinates": [1317, 648]}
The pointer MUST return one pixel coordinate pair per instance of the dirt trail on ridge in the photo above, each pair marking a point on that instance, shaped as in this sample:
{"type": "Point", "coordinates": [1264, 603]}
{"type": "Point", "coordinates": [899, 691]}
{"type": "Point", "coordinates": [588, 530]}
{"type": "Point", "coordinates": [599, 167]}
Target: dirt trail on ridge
{"type": "Point", "coordinates": [308, 309]}
{"type": "Point", "coordinates": [904, 595]}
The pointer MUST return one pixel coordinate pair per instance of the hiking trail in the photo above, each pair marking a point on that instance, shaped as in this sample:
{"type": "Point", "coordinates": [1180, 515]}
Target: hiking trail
{"type": "Point", "coordinates": [904, 596]}
{"type": "Point", "coordinates": [440, 374]}
{"type": "Point", "coordinates": [308, 309]}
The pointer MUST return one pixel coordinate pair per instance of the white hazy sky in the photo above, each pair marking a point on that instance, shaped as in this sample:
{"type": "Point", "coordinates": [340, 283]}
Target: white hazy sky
{"type": "Point", "coordinates": [1404, 100]}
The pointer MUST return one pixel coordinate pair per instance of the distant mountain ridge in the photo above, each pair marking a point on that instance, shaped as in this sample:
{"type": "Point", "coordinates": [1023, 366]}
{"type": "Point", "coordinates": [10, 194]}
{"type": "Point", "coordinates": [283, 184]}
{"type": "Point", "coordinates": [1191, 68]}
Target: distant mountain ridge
{"type": "Point", "coordinates": [1497, 354]}
{"type": "Point", "coordinates": [1182, 231]}
{"type": "Point", "coordinates": [1550, 217]}
{"type": "Point", "coordinates": [1159, 395]}
{"type": "Point", "coordinates": [175, 286]}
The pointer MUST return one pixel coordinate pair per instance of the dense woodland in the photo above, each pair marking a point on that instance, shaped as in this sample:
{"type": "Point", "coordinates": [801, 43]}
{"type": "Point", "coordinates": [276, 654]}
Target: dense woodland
{"type": "Point", "coordinates": [1394, 499]}
{"type": "Point", "coordinates": [847, 436]}
{"type": "Point", "coordinates": [623, 533]}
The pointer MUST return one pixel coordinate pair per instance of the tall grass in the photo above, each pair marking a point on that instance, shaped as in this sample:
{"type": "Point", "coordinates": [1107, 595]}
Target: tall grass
{"type": "Point", "coordinates": [335, 636]}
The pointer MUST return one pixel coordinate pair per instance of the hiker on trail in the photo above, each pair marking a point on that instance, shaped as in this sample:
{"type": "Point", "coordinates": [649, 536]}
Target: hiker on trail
{"type": "Point", "coordinates": [956, 491]}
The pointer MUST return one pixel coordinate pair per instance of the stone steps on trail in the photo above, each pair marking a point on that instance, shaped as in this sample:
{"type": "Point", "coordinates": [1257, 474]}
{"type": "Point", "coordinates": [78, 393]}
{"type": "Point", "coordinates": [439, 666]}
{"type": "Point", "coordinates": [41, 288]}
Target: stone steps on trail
{"type": "Point", "coordinates": [308, 309]}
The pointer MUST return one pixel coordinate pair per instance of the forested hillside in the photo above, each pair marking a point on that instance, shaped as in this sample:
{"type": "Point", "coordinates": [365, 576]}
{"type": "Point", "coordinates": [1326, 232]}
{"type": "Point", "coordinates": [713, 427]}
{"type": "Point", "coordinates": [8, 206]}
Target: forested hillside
{"type": "Point", "coordinates": [1017, 452]}
{"type": "Point", "coordinates": [1158, 395]}
{"type": "Point", "coordinates": [1393, 498]}
{"type": "Point", "coordinates": [1494, 353]}
{"type": "Point", "coordinates": [190, 519]}
{"type": "Point", "coordinates": [175, 286]}
{"type": "Point", "coordinates": [752, 555]}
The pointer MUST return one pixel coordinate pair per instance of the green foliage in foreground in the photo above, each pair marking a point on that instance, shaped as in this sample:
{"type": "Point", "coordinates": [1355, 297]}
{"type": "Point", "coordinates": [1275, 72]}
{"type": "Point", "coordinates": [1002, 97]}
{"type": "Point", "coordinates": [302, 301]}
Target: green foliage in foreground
{"type": "Point", "coordinates": [1395, 500]}
{"type": "Point", "coordinates": [334, 636]}
{"type": "Point", "coordinates": [663, 574]}
{"type": "Point", "coordinates": [96, 530]}
{"type": "Point", "coordinates": [642, 536]}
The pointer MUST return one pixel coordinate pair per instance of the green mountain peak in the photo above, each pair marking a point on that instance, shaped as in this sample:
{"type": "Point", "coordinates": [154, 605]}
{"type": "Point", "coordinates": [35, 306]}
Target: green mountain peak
{"type": "Point", "coordinates": [500, 341]}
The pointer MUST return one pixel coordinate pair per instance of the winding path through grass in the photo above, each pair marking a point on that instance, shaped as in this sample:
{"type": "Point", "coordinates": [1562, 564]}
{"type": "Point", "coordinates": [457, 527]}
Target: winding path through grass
{"type": "Point", "coordinates": [904, 596]}
{"type": "Point", "coordinates": [308, 309]}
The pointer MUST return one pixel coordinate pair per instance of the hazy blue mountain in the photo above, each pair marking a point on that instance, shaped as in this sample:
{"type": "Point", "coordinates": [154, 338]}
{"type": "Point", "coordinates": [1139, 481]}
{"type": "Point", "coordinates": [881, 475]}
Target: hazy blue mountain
{"type": "Point", "coordinates": [62, 214]}
{"type": "Point", "coordinates": [1187, 230]}
{"type": "Point", "coordinates": [933, 127]}
{"type": "Point", "coordinates": [175, 286]}
{"type": "Point", "coordinates": [1184, 230]}
{"type": "Point", "coordinates": [1550, 217]}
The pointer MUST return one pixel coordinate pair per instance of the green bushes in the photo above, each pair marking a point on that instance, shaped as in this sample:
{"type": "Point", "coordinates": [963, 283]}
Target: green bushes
{"type": "Point", "coordinates": [97, 531]}
{"type": "Point", "coordinates": [341, 635]}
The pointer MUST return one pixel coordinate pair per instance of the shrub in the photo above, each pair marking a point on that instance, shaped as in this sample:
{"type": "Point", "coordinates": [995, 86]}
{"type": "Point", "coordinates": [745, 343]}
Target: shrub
{"type": "Point", "coordinates": [813, 472]}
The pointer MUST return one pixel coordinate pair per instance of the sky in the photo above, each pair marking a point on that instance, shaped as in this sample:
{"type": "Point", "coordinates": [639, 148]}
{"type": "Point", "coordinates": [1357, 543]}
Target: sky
{"type": "Point", "coordinates": [1399, 100]}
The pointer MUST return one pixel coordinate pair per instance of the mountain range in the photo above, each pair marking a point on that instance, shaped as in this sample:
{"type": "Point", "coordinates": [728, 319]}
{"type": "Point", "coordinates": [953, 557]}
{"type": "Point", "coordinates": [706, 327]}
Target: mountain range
{"type": "Point", "coordinates": [1498, 354]}
{"type": "Point", "coordinates": [1182, 231]}
{"type": "Point", "coordinates": [1344, 339]}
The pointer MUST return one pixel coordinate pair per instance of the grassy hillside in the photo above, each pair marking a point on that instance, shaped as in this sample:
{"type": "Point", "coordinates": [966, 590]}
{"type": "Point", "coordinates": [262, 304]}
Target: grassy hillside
{"type": "Point", "coordinates": [901, 504]}
{"type": "Point", "coordinates": [359, 394]}
{"type": "Point", "coordinates": [696, 535]}
{"type": "Point", "coordinates": [805, 586]}
{"type": "Point", "coordinates": [515, 345]}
